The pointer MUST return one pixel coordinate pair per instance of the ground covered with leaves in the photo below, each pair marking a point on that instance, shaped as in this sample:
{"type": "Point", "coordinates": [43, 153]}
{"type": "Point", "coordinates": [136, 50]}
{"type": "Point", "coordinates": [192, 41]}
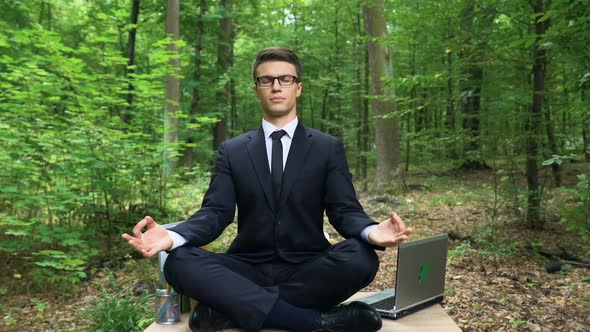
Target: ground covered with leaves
{"type": "Point", "coordinates": [495, 279]}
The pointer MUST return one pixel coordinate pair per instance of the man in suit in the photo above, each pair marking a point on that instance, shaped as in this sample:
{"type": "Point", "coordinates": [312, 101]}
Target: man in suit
{"type": "Point", "coordinates": [280, 271]}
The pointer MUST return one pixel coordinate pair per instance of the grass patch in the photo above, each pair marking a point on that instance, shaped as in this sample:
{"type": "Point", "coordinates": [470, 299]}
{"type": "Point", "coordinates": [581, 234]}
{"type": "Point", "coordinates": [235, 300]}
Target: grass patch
{"type": "Point", "coordinates": [120, 312]}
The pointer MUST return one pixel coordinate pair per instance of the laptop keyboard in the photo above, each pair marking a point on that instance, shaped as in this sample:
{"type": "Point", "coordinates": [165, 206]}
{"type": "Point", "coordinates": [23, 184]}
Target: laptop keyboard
{"type": "Point", "coordinates": [385, 304]}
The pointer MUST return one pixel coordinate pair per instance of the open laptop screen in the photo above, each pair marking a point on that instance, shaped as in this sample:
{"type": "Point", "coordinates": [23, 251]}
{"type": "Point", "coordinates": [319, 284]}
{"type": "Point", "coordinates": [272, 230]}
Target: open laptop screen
{"type": "Point", "coordinates": [421, 270]}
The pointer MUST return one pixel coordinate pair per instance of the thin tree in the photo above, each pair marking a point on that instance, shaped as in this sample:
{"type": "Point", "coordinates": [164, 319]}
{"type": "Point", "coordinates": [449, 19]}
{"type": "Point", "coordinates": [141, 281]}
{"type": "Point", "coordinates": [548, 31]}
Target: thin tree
{"type": "Point", "coordinates": [45, 4]}
{"type": "Point", "coordinates": [534, 219]}
{"type": "Point", "coordinates": [555, 169]}
{"type": "Point", "coordinates": [194, 110]}
{"type": "Point", "coordinates": [585, 121]}
{"type": "Point", "coordinates": [130, 69]}
{"type": "Point", "coordinates": [359, 100]}
{"type": "Point", "coordinates": [413, 103]}
{"type": "Point", "coordinates": [450, 104]}
{"type": "Point", "coordinates": [225, 52]}
{"type": "Point", "coordinates": [172, 85]}
{"type": "Point", "coordinates": [472, 73]}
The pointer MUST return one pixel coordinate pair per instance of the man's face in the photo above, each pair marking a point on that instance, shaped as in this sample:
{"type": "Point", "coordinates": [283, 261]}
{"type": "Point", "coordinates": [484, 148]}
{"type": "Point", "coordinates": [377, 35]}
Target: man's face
{"type": "Point", "coordinates": [277, 101]}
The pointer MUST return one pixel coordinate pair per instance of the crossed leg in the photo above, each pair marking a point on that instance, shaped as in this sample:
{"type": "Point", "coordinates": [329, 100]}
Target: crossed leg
{"type": "Point", "coordinates": [246, 292]}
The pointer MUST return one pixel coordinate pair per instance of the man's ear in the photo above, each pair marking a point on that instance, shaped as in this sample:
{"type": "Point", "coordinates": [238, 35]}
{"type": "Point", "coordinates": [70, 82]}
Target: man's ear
{"type": "Point", "coordinates": [299, 88]}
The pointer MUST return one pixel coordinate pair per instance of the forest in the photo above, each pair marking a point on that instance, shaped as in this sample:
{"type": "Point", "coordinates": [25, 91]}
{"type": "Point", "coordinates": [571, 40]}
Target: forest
{"type": "Point", "coordinates": [468, 117]}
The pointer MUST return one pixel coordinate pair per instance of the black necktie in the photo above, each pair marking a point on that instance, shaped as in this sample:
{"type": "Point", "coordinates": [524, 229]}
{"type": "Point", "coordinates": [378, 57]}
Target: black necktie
{"type": "Point", "coordinates": [276, 164]}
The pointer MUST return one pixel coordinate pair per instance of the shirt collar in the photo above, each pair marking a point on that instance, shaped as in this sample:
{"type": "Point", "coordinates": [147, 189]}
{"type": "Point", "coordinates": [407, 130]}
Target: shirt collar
{"type": "Point", "coordinates": [269, 128]}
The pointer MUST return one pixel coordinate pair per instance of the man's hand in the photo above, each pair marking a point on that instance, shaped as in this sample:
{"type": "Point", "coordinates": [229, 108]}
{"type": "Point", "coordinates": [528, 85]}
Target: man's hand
{"type": "Point", "coordinates": [150, 242]}
{"type": "Point", "coordinates": [390, 233]}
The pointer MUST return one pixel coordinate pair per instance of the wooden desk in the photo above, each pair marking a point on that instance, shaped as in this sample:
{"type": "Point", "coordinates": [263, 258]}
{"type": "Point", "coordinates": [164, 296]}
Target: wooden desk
{"type": "Point", "coordinates": [431, 319]}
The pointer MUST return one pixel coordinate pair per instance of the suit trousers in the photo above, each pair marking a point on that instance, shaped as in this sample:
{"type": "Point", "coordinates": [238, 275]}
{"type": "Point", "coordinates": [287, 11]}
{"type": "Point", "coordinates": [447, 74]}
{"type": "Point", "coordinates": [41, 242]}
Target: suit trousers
{"type": "Point", "coordinates": [246, 292]}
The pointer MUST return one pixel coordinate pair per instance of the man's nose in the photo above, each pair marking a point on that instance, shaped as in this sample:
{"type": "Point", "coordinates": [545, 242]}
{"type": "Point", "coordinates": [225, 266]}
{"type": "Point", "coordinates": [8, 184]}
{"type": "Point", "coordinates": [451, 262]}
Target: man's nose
{"type": "Point", "coordinates": [275, 84]}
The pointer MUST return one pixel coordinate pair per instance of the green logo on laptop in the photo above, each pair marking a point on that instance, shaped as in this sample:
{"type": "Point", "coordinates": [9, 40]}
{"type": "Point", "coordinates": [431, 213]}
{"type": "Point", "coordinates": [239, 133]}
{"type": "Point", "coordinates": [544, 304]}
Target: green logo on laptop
{"type": "Point", "coordinates": [424, 271]}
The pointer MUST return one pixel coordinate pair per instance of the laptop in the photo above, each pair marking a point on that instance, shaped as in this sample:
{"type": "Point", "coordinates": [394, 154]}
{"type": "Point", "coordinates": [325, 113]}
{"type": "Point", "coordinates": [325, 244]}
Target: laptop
{"type": "Point", "coordinates": [420, 278]}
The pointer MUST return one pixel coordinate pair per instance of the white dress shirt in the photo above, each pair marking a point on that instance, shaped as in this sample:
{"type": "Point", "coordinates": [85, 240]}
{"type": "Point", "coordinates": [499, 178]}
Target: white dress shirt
{"type": "Point", "coordinates": [286, 140]}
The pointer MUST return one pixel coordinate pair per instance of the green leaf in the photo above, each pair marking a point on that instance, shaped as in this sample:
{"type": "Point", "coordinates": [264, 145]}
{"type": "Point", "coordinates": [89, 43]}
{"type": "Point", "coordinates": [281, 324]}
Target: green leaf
{"type": "Point", "coordinates": [55, 253]}
{"type": "Point", "coordinates": [17, 232]}
{"type": "Point", "coordinates": [71, 242]}
{"type": "Point", "coordinates": [74, 262]}
{"type": "Point", "coordinates": [52, 264]}
{"type": "Point", "coordinates": [547, 15]}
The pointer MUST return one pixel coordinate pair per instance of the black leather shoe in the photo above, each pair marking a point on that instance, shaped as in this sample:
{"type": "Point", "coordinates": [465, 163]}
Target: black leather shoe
{"type": "Point", "coordinates": [205, 319]}
{"type": "Point", "coordinates": [353, 317]}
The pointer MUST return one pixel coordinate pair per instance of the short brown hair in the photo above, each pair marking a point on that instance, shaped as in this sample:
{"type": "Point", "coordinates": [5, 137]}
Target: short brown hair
{"type": "Point", "coordinates": [277, 54]}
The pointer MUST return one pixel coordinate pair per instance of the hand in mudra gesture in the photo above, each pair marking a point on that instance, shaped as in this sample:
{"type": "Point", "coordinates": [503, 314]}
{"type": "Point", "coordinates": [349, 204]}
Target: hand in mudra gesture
{"type": "Point", "coordinates": [390, 233]}
{"type": "Point", "coordinates": [152, 241]}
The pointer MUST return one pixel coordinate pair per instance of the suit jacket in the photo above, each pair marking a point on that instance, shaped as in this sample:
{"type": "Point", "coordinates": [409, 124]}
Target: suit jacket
{"type": "Point", "coordinates": [316, 179]}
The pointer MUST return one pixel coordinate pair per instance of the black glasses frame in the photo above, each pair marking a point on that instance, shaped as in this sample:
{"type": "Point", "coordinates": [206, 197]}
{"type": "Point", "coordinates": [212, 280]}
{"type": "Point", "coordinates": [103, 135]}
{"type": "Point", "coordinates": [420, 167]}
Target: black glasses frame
{"type": "Point", "coordinates": [278, 78]}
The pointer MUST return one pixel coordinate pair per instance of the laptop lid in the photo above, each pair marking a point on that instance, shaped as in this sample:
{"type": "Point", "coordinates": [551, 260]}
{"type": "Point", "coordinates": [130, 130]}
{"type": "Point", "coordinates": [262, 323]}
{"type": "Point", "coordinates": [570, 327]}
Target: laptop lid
{"type": "Point", "coordinates": [421, 267]}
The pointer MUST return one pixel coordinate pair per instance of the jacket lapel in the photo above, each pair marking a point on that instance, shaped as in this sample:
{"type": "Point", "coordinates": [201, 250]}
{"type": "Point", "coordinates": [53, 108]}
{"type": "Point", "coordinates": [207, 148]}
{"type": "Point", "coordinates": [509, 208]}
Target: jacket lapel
{"type": "Point", "coordinates": [256, 147]}
{"type": "Point", "coordinates": [296, 160]}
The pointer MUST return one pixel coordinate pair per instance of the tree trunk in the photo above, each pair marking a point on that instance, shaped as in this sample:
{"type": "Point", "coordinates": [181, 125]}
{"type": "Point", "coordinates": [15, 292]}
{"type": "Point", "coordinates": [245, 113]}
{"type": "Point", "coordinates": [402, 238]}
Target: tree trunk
{"type": "Point", "coordinates": [41, 12]}
{"type": "Point", "coordinates": [336, 117]}
{"type": "Point", "coordinates": [585, 124]}
{"type": "Point", "coordinates": [471, 93]}
{"type": "Point", "coordinates": [361, 102]}
{"type": "Point", "coordinates": [450, 107]}
{"type": "Point", "coordinates": [358, 103]}
{"type": "Point", "coordinates": [233, 106]}
{"type": "Point", "coordinates": [172, 86]}
{"type": "Point", "coordinates": [366, 128]}
{"type": "Point", "coordinates": [389, 173]}
{"type": "Point", "coordinates": [126, 115]}
{"type": "Point", "coordinates": [324, 114]}
{"type": "Point", "coordinates": [552, 146]}
{"type": "Point", "coordinates": [471, 106]}
{"type": "Point", "coordinates": [408, 142]}
{"type": "Point", "coordinates": [586, 139]}
{"type": "Point", "coordinates": [534, 219]}
{"type": "Point", "coordinates": [564, 112]}
{"type": "Point", "coordinates": [48, 4]}
{"type": "Point", "coordinates": [413, 105]}
{"type": "Point", "coordinates": [189, 151]}
{"type": "Point", "coordinates": [49, 20]}
{"type": "Point", "coordinates": [45, 4]}
{"type": "Point", "coordinates": [224, 62]}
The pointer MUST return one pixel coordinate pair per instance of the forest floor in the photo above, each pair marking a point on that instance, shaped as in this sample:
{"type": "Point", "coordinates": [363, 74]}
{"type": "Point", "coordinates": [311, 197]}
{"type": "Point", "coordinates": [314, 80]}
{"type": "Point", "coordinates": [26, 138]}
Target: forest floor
{"type": "Point", "coordinates": [494, 282]}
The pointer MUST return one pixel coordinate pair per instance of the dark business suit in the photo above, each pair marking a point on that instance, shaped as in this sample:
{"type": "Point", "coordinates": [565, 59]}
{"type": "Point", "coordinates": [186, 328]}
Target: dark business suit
{"type": "Point", "coordinates": [280, 249]}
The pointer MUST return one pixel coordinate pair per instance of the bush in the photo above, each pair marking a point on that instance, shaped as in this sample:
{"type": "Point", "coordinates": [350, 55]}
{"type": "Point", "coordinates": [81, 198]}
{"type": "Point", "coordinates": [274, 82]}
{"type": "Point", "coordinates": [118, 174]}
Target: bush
{"type": "Point", "coordinates": [576, 211]}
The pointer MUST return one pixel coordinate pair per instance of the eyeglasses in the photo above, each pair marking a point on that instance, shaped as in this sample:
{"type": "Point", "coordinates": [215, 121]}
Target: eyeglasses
{"type": "Point", "coordinates": [284, 80]}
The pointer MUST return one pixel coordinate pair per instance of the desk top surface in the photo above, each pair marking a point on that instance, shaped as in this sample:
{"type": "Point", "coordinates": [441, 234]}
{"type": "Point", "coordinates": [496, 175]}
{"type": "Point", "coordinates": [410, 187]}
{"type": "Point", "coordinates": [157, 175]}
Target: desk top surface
{"type": "Point", "coordinates": [432, 318]}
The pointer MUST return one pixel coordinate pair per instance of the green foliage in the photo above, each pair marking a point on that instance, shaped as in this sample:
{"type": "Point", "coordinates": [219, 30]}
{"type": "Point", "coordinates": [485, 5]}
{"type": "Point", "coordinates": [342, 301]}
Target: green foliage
{"type": "Point", "coordinates": [576, 211]}
{"type": "Point", "coordinates": [10, 317]}
{"type": "Point", "coordinates": [461, 250]}
{"type": "Point", "coordinates": [74, 176]}
{"type": "Point", "coordinates": [557, 159]}
{"type": "Point", "coordinates": [495, 247]}
{"type": "Point", "coordinates": [58, 268]}
{"type": "Point", "coordinates": [449, 199]}
{"type": "Point", "coordinates": [517, 322]}
{"type": "Point", "coordinates": [120, 313]}
{"type": "Point", "coordinates": [511, 192]}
